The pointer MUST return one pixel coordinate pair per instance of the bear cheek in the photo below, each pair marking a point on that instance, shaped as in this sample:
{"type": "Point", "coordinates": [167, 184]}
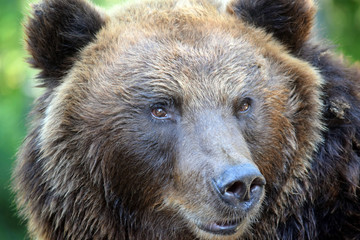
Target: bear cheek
{"type": "Point", "coordinates": [273, 147]}
{"type": "Point", "coordinates": [139, 183]}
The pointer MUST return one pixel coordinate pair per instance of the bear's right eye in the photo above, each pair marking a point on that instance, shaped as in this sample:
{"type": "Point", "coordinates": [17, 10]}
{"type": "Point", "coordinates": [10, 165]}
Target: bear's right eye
{"type": "Point", "coordinates": [160, 113]}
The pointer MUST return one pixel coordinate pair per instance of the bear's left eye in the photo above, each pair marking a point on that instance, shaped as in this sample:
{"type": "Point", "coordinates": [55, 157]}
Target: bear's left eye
{"type": "Point", "coordinates": [244, 105]}
{"type": "Point", "coordinates": [160, 113]}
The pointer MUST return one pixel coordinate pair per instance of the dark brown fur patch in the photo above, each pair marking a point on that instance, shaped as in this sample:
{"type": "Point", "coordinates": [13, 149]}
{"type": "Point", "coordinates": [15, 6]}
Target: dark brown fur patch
{"type": "Point", "coordinates": [57, 31]}
{"type": "Point", "coordinates": [290, 21]}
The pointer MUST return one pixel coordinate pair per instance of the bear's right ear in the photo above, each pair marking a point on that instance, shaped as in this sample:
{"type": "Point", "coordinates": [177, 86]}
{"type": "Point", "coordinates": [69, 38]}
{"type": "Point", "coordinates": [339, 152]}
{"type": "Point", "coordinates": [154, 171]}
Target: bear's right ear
{"type": "Point", "coordinates": [56, 32]}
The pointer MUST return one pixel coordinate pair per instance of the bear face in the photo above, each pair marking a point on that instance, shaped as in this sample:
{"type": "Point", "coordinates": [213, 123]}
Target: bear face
{"type": "Point", "coordinates": [173, 120]}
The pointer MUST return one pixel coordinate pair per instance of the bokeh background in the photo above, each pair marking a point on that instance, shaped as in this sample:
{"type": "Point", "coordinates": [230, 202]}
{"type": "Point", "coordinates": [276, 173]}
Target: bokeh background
{"type": "Point", "coordinates": [338, 20]}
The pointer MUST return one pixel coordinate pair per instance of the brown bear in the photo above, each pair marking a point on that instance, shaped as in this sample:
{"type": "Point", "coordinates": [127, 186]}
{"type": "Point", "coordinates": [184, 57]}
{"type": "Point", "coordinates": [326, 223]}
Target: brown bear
{"type": "Point", "coordinates": [189, 119]}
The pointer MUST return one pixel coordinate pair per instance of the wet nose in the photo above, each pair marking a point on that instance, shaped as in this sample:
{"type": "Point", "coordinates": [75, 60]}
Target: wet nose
{"type": "Point", "coordinates": [240, 184]}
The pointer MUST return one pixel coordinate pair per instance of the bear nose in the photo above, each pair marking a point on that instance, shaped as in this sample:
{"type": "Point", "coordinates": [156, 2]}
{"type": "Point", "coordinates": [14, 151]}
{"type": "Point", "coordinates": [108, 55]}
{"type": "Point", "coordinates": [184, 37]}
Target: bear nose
{"type": "Point", "coordinates": [239, 184]}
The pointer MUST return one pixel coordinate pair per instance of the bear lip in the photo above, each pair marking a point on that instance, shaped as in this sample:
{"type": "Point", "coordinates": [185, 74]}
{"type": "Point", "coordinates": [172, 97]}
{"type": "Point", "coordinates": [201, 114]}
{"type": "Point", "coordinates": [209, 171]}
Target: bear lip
{"type": "Point", "coordinates": [221, 227]}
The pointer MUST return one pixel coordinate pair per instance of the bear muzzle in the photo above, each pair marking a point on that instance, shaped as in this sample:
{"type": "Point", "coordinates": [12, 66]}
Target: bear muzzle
{"type": "Point", "coordinates": [240, 188]}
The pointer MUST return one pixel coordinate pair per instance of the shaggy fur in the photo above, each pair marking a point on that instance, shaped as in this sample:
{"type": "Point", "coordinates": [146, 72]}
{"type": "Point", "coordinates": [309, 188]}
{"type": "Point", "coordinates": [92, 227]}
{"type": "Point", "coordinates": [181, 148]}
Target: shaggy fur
{"type": "Point", "coordinates": [98, 164]}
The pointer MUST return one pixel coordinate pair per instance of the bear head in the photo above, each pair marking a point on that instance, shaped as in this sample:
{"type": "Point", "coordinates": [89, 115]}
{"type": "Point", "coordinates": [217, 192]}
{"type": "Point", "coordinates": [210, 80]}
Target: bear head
{"type": "Point", "coordinates": [183, 119]}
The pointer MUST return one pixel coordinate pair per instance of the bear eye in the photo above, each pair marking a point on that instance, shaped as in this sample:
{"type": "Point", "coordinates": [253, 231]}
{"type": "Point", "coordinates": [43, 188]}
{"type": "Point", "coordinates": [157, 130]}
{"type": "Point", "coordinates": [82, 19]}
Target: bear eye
{"type": "Point", "coordinates": [244, 105]}
{"type": "Point", "coordinates": [159, 113]}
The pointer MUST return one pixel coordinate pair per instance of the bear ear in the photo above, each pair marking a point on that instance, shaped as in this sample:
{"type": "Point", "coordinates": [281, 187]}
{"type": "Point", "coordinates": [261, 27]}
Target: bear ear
{"type": "Point", "coordinates": [290, 21]}
{"type": "Point", "coordinates": [56, 31]}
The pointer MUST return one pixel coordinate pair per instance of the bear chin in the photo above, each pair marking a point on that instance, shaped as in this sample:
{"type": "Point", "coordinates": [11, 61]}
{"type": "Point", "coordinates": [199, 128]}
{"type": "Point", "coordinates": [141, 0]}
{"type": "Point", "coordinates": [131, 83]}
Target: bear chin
{"type": "Point", "coordinates": [223, 230]}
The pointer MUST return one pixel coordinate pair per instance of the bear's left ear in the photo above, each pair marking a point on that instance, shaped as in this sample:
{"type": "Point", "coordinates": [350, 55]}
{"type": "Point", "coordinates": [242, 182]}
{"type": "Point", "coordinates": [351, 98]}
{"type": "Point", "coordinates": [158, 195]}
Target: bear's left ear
{"type": "Point", "coordinates": [56, 32]}
{"type": "Point", "coordinates": [290, 21]}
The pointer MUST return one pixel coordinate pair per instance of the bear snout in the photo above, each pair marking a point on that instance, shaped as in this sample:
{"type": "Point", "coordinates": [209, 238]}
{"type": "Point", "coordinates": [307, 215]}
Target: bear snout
{"type": "Point", "coordinates": [240, 186]}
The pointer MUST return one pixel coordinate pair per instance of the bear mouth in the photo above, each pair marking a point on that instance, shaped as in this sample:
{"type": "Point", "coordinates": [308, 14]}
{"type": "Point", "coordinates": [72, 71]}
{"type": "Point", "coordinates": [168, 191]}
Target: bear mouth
{"type": "Point", "coordinates": [221, 227]}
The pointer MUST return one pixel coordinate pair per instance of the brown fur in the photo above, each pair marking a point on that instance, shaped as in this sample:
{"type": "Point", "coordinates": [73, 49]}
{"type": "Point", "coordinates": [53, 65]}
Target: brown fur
{"type": "Point", "coordinates": [97, 165]}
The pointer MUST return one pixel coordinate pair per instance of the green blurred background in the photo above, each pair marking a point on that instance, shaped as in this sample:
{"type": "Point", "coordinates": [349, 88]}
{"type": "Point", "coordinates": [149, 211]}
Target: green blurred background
{"type": "Point", "coordinates": [338, 20]}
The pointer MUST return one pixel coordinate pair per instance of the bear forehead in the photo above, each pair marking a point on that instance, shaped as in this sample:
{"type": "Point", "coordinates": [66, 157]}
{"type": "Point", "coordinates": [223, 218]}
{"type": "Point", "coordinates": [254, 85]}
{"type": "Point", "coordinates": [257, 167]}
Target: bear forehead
{"type": "Point", "coordinates": [217, 65]}
{"type": "Point", "coordinates": [171, 48]}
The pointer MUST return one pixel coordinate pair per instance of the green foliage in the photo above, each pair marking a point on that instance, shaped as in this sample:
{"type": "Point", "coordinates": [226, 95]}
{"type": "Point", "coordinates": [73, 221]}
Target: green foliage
{"type": "Point", "coordinates": [343, 25]}
{"type": "Point", "coordinates": [339, 18]}
{"type": "Point", "coordinates": [14, 104]}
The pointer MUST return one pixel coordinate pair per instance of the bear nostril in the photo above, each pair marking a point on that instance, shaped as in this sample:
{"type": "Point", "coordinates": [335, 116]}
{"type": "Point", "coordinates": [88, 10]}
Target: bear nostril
{"type": "Point", "coordinates": [237, 189]}
{"type": "Point", "coordinates": [257, 185]}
